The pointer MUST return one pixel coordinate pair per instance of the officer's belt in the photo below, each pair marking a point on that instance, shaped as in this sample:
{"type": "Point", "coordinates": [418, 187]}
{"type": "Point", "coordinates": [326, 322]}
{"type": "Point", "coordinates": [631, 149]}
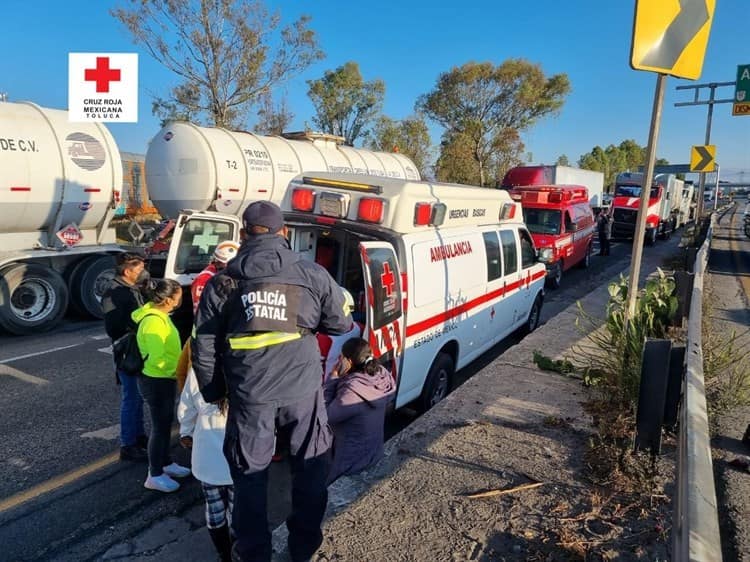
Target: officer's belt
{"type": "Point", "coordinates": [266, 339]}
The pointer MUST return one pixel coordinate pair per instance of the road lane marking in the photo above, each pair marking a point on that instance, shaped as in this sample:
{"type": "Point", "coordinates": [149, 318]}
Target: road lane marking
{"type": "Point", "coordinates": [100, 337]}
{"type": "Point", "coordinates": [109, 433]}
{"type": "Point", "coordinates": [107, 350]}
{"type": "Point", "coordinates": [65, 479]}
{"type": "Point", "coordinates": [12, 359]}
{"type": "Point", "coordinates": [20, 375]}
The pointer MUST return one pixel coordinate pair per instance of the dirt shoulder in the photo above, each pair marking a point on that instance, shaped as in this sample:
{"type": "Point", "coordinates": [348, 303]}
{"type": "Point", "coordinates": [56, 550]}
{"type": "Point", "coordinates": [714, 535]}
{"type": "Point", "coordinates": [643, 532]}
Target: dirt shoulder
{"type": "Point", "coordinates": [510, 425]}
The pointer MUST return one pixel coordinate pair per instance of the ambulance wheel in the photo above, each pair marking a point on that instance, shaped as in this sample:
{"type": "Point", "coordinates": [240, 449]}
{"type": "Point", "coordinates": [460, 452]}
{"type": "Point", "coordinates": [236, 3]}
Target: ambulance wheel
{"type": "Point", "coordinates": [586, 261]}
{"type": "Point", "coordinates": [33, 298]}
{"type": "Point", "coordinates": [554, 279]}
{"type": "Point", "coordinates": [532, 322]}
{"type": "Point", "coordinates": [438, 383]}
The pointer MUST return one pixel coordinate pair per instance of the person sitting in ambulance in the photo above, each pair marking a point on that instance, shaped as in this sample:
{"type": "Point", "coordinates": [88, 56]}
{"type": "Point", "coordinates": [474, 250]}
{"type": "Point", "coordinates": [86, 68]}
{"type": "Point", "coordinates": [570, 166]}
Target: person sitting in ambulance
{"type": "Point", "coordinates": [330, 346]}
{"type": "Point", "coordinates": [223, 254]}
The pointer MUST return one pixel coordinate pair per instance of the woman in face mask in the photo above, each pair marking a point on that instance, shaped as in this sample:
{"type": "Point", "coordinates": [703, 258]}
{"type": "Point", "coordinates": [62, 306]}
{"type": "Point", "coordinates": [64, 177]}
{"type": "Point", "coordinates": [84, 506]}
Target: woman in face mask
{"type": "Point", "coordinates": [159, 344]}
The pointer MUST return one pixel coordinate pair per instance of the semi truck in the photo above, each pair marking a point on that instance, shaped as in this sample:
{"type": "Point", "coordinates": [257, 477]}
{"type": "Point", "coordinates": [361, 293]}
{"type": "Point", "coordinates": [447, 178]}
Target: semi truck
{"type": "Point", "coordinates": [557, 175]}
{"type": "Point", "coordinates": [664, 206]}
{"type": "Point", "coordinates": [61, 183]}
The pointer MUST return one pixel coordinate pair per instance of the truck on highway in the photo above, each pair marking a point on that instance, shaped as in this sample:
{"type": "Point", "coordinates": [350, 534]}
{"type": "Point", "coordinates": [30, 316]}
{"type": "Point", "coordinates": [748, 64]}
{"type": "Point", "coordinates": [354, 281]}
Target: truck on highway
{"type": "Point", "coordinates": [61, 183]}
{"type": "Point", "coordinates": [557, 175]}
{"type": "Point", "coordinates": [664, 206]}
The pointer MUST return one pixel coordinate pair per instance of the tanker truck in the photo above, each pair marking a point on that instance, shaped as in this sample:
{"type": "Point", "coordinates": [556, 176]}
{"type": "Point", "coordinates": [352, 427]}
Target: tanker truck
{"type": "Point", "coordinates": [206, 177]}
{"type": "Point", "coordinates": [60, 184]}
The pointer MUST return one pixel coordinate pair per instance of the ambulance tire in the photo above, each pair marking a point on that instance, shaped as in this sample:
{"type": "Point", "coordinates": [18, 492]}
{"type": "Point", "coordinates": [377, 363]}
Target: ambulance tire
{"type": "Point", "coordinates": [532, 321]}
{"type": "Point", "coordinates": [438, 383]}
{"type": "Point", "coordinates": [554, 279]}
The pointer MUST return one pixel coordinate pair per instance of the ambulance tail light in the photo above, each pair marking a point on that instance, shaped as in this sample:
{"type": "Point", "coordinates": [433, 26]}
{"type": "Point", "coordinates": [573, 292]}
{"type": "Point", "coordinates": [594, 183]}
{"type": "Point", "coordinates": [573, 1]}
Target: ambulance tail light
{"type": "Point", "coordinates": [555, 197]}
{"type": "Point", "coordinates": [303, 200]}
{"type": "Point", "coordinates": [371, 209]}
{"type": "Point", "coordinates": [422, 214]}
{"type": "Point", "coordinates": [508, 211]}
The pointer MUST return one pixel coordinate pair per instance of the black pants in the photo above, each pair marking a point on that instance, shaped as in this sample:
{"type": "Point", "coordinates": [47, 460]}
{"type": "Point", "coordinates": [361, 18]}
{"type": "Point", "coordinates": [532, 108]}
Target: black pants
{"type": "Point", "coordinates": [249, 446]}
{"type": "Point", "coordinates": [603, 246]}
{"type": "Point", "coordinates": [159, 394]}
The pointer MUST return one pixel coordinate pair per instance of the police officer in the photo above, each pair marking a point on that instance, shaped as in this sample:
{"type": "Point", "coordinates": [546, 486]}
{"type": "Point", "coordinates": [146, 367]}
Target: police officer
{"type": "Point", "coordinates": [255, 343]}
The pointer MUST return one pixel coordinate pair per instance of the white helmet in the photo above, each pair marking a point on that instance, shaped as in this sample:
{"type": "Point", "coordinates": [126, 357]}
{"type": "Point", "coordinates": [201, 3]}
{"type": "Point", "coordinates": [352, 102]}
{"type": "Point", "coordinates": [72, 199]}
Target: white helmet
{"type": "Point", "coordinates": [348, 301]}
{"type": "Point", "coordinates": [225, 251]}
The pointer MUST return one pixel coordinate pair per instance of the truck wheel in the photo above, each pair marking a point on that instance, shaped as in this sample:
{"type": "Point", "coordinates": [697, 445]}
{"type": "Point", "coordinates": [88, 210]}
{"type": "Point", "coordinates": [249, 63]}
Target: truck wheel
{"type": "Point", "coordinates": [586, 261]}
{"type": "Point", "coordinates": [532, 321]}
{"type": "Point", "coordinates": [87, 283]}
{"type": "Point", "coordinates": [438, 382]}
{"type": "Point", "coordinates": [554, 279]}
{"type": "Point", "coordinates": [33, 298]}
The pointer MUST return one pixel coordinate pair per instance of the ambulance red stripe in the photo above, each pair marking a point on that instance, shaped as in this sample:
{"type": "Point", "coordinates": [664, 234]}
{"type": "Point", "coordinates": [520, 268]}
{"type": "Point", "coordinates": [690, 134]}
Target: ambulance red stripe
{"type": "Point", "coordinates": [443, 317]}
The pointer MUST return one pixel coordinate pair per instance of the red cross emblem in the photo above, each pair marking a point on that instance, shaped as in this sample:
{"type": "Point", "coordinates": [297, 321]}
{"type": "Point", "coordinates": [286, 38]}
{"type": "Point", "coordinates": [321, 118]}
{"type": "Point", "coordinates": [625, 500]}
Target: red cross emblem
{"type": "Point", "coordinates": [387, 279]}
{"type": "Point", "coordinates": [102, 75]}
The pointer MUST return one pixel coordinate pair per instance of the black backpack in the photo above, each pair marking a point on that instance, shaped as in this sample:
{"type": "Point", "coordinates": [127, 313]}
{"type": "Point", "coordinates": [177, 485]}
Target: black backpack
{"type": "Point", "coordinates": [128, 358]}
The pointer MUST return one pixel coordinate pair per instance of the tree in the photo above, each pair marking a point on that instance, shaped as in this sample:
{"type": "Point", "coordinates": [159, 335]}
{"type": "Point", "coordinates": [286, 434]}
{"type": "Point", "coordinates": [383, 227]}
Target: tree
{"type": "Point", "coordinates": [563, 160]}
{"type": "Point", "coordinates": [221, 51]}
{"type": "Point", "coordinates": [409, 137]}
{"type": "Point", "coordinates": [344, 103]}
{"type": "Point", "coordinates": [627, 156]}
{"type": "Point", "coordinates": [273, 119]}
{"type": "Point", "coordinates": [483, 104]}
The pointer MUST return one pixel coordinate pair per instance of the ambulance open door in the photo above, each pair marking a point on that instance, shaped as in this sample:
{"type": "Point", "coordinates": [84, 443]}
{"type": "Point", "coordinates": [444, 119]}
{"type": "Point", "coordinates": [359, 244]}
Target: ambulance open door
{"type": "Point", "coordinates": [384, 299]}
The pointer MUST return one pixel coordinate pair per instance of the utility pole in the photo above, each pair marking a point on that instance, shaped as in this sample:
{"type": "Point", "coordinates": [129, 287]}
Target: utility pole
{"type": "Point", "coordinates": [710, 103]}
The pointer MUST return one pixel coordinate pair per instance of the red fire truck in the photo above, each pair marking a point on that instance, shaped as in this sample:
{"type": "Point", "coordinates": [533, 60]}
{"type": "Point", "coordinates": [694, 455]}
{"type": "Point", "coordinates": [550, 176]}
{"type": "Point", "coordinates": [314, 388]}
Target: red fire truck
{"type": "Point", "coordinates": [561, 224]}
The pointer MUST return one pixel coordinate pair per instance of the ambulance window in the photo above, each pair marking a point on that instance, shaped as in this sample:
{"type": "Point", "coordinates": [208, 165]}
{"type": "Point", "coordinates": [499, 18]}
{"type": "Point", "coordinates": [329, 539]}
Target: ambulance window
{"type": "Point", "coordinates": [197, 243]}
{"type": "Point", "coordinates": [386, 286]}
{"type": "Point", "coordinates": [492, 248]}
{"type": "Point", "coordinates": [569, 225]}
{"type": "Point", "coordinates": [528, 256]}
{"type": "Point", "coordinates": [510, 253]}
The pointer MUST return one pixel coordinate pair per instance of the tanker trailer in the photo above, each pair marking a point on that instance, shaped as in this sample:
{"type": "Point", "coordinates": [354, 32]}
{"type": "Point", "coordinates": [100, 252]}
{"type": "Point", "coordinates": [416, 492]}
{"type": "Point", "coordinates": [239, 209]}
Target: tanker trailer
{"type": "Point", "coordinates": [59, 185]}
{"type": "Point", "coordinates": [206, 177]}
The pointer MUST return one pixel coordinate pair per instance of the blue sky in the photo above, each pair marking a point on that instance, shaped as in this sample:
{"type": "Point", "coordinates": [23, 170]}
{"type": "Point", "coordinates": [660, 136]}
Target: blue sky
{"type": "Point", "coordinates": [409, 43]}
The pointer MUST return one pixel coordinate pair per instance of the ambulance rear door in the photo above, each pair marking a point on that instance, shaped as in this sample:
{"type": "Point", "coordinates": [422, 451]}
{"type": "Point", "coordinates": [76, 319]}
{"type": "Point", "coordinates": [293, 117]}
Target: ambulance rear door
{"type": "Point", "coordinates": [384, 297]}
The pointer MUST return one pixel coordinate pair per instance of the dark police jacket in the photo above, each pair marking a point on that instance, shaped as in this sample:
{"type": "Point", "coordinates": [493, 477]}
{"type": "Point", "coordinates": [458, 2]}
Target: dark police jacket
{"type": "Point", "coordinates": [254, 331]}
{"type": "Point", "coordinates": [118, 303]}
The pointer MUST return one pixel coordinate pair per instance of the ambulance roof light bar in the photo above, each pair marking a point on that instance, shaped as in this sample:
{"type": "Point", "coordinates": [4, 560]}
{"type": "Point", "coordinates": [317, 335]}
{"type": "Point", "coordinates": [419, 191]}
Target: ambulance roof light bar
{"type": "Point", "coordinates": [340, 184]}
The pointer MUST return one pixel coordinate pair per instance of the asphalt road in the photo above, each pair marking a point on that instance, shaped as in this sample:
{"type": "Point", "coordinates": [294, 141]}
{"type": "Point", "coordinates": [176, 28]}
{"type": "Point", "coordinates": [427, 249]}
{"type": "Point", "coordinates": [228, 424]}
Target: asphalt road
{"type": "Point", "coordinates": [64, 495]}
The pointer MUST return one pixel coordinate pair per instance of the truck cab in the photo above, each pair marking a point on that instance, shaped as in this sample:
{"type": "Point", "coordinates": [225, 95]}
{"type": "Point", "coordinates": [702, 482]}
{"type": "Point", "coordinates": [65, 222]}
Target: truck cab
{"type": "Point", "coordinates": [561, 224]}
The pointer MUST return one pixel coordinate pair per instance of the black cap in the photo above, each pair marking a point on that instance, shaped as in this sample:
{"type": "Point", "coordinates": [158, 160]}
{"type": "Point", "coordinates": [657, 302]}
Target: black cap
{"type": "Point", "coordinates": [263, 213]}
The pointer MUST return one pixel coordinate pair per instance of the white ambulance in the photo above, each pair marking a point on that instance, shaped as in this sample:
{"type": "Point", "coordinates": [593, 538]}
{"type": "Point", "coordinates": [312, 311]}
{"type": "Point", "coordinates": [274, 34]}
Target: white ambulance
{"type": "Point", "coordinates": [439, 272]}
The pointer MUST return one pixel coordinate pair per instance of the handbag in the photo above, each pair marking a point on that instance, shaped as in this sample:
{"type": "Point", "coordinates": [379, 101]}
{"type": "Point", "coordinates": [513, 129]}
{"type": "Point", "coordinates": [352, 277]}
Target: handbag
{"type": "Point", "coordinates": [127, 354]}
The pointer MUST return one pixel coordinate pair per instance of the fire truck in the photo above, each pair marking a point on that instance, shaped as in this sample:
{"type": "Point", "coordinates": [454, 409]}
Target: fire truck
{"type": "Point", "coordinates": [561, 223]}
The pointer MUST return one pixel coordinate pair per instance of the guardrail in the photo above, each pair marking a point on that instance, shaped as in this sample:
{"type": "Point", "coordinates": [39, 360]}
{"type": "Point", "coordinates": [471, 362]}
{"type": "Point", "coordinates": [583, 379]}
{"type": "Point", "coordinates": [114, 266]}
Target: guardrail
{"type": "Point", "coordinates": [696, 522]}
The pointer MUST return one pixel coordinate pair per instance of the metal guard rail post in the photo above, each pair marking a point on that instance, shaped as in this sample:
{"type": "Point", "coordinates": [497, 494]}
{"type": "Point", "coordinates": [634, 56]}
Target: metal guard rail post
{"type": "Point", "coordinates": [696, 525]}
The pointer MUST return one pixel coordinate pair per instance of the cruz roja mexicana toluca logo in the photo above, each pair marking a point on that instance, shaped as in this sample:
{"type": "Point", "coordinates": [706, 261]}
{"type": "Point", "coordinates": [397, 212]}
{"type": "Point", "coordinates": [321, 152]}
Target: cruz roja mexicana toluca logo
{"type": "Point", "coordinates": [103, 87]}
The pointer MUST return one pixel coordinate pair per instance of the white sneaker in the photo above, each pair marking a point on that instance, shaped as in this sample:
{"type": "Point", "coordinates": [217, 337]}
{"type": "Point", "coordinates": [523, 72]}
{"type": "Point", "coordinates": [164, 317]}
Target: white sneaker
{"type": "Point", "coordinates": [161, 483]}
{"type": "Point", "coordinates": [176, 471]}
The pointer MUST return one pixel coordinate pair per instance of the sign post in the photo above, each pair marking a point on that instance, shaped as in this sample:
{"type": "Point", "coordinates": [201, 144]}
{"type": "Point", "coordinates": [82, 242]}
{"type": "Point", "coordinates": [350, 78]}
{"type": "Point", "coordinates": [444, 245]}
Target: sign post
{"type": "Point", "coordinates": [666, 43]}
{"type": "Point", "coordinates": [741, 104]}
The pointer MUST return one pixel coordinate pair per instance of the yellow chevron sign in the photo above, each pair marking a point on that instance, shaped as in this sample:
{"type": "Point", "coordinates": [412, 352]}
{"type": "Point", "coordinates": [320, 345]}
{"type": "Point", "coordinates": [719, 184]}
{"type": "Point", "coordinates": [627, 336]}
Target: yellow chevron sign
{"type": "Point", "coordinates": [670, 36]}
{"type": "Point", "coordinates": [703, 158]}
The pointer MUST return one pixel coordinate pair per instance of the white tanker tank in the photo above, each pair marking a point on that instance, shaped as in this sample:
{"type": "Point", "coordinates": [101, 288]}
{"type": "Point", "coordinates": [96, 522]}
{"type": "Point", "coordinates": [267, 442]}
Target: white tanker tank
{"type": "Point", "coordinates": [208, 169]}
{"type": "Point", "coordinates": [59, 182]}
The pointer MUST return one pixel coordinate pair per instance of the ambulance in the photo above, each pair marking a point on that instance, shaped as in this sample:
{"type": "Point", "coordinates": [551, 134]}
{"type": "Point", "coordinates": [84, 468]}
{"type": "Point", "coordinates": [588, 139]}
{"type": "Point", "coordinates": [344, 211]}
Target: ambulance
{"type": "Point", "coordinates": [439, 272]}
{"type": "Point", "coordinates": [561, 223]}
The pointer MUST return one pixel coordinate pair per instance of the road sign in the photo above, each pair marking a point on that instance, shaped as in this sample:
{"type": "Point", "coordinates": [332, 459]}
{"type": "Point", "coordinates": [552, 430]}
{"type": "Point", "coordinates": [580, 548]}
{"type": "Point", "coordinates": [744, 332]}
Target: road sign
{"type": "Point", "coordinates": [703, 158]}
{"type": "Point", "coordinates": [671, 37]}
{"type": "Point", "coordinates": [741, 104]}
{"type": "Point", "coordinates": [70, 235]}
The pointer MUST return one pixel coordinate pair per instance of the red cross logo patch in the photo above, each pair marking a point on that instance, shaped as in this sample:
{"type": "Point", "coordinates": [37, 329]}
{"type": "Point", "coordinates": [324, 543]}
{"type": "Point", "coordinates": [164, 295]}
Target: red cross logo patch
{"type": "Point", "coordinates": [103, 87]}
{"type": "Point", "coordinates": [102, 74]}
{"type": "Point", "coordinates": [387, 279]}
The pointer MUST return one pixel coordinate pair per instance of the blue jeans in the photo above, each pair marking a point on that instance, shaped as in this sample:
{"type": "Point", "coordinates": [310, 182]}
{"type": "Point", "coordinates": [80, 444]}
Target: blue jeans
{"type": "Point", "coordinates": [131, 410]}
